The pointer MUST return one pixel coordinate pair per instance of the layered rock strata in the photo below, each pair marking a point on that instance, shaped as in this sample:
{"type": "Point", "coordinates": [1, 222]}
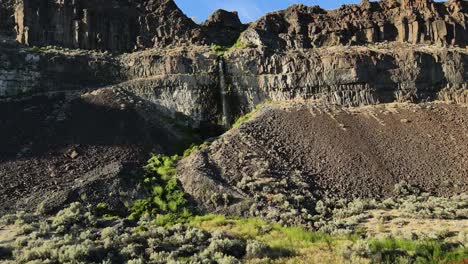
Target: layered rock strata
{"type": "Point", "coordinates": [86, 113]}
{"type": "Point", "coordinates": [117, 25]}
{"type": "Point", "coordinates": [409, 21]}
{"type": "Point", "coordinates": [189, 81]}
{"type": "Point", "coordinates": [186, 81]}
{"type": "Point", "coordinates": [124, 26]}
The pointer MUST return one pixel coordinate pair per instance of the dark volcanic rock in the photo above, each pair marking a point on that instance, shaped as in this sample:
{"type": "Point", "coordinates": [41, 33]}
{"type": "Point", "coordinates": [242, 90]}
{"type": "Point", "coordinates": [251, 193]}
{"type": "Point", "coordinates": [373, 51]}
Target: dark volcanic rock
{"type": "Point", "coordinates": [117, 25]}
{"type": "Point", "coordinates": [124, 26]}
{"type": "Point", "coordinates": [412, 21]}
{"type": "Point", "coordinates": [185, 81]}
{"type": "Point", "coordinates": [62, 147]}
{"type": "Point", "coordinates": [350, 76]}
{"type": "Point", "coordinates": [7, 20]}
{"type": "Point", "coordinates": [224, 27]}
{"type": "Point", "coordinates": [223, 18]}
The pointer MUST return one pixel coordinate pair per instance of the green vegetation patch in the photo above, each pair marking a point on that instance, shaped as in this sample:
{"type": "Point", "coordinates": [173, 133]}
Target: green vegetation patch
{"type": "Point", "coordinates": [288, 240]}
{"type": "Point", "coordinates": [76, 235]}
{"type": "Point", "coordinates": [167, 201]}
{"type": "Point", "coordinates": [297, 245]}
{"type": "Point", "coordinates": [249, 115]}
{"type": "Point", "coordinates": [392, 250]}
{"type": "Point", "coordinates": [221, 50]}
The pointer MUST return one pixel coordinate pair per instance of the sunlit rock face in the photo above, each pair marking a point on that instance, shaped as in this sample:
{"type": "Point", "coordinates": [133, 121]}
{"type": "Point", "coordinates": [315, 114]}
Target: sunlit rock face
{"type": "Point", "coordinates": [374, 52]}
{"type": "Point", "coordinates": [410, 21]}
{"type": "Point", "coordinates": [126, 26]}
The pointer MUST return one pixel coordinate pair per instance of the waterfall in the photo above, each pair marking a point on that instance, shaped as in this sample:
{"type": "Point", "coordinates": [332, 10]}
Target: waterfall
{"type": "Point", "coordinates": [226, 118]}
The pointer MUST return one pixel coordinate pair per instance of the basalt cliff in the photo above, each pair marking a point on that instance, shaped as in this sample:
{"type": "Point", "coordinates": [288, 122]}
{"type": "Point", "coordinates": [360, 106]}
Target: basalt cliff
{"type": "Point", "coordinates": [88, 90]}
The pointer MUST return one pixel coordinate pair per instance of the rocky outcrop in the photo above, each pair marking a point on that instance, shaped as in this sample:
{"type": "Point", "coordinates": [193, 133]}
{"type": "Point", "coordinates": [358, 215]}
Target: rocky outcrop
{"type": "Point", "coordinates": [410, 21]}
{"type": "Point", "coordinates": [32, 71]}
{"type": "Point", "coordinates": [118, 25]}
{"type": "Point", "coordinates": [186, 81]}
{"type": "Point", "coordinates": [7, 20]}
{"type": "Point", "coordinates": [346, 76]}
{"type": "Point", "coordinates": [182, 82]}
{"type": "Point", "coordinates": [125, 26]}
{"type": "Point", "coordinates": [223, 27]}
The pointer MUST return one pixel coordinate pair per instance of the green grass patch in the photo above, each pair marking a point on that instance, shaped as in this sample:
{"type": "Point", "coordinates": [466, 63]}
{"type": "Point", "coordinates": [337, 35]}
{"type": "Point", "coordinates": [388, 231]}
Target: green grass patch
{"type": "Point", "coordinates": [274, 235]}
{"type": "Point", "coordinates": [221, 50]}
{"type": "Point", "coordinates": [248, 116]}
{"type": "Point", "coordinates": [34, 49]}
{"type": "Point", "coordinates": [295, 243]}
{"type": "Point", "coordinates": [425, 251]}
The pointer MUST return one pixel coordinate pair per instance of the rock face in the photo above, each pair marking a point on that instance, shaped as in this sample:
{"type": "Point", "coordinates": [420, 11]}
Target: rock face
{"type": "Point", "coordinates": [125, 26]}
{"type": "Point", "coordinates": [224, 27]}
{"type": "Point", "coordinates": [7, 20]}
{"type": "Point", "coordinates": [119, 104]}
{"type": "Point", "coordinates": [186, 81]}
{"type": "Point", "coordinates": [277, 165]}
{"type": "Point", "coordinates": [32, 71]}
{"type": "Point", "coordinates": [117, 25]}
{"type": "Point", "coordinates": [346, 76]}
{"type": "Point", "coordinates": [410, 21]}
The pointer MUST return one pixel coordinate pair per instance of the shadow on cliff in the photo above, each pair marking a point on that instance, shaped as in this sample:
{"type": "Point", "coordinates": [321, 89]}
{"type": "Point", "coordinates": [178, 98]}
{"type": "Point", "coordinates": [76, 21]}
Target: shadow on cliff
{"type": "Point", "coordinates": [389, 82]}
{"type": "Point", "coordinates": [58, 148]}
{"type": "Point", "coordinates": [42, 125]}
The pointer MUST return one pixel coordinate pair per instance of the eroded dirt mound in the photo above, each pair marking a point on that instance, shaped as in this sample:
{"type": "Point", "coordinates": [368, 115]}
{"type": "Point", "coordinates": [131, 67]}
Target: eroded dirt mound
{"type": "Point", "coordinates": [290, 155]}
{"type": "Point", "coordinates": [61, 147]}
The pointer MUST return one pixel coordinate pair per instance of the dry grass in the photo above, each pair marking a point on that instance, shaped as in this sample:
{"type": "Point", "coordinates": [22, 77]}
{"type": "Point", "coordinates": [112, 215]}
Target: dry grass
{"type": "Point", "coordinates": [397, 224]}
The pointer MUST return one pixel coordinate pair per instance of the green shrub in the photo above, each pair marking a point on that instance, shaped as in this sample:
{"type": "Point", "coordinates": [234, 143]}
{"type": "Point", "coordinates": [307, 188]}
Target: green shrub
{"type": "Point", "coordinates": [167, 201]}
{"type": "Point", "coordinates": [392, 250]}
{"type": "Point", "coordinates": [5, 253]}
{"type": "Point", "coordinates": [219, 50]}
{"type": "Point", "coordinates": [248, 116]}
{"type": "Point", "coordinates": [256, 249]}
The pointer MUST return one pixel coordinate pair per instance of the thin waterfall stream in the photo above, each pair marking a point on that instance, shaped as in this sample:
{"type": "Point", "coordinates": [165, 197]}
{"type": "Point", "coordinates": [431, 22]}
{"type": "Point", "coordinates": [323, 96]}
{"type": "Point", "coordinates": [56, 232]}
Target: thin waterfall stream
{"type": "Point", "coordinates": [224, 91]}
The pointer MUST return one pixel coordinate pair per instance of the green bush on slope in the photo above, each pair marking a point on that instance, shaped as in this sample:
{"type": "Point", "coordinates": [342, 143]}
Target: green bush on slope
{"type": "Point", "coordinates": [249, 115]}
{"type": "Point", "coordinates": [167, 201]}
{"type": "Point", "coordinates": [221, 50]}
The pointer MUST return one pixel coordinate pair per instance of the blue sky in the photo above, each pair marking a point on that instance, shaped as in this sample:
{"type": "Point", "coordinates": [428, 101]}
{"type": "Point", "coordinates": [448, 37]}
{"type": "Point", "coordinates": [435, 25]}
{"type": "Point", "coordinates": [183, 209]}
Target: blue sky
{"type": "Point", "coordinates": [249, 10]}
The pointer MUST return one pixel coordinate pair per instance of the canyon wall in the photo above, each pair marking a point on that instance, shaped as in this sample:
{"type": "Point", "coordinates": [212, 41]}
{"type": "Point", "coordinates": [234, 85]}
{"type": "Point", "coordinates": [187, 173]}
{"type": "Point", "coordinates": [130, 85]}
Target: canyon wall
{"type": "Point", "coordinates": [125, 26]}
{"type": "Point", "coordinates": [73, 102]}
{"type": "Point", "coordinates": [347, 76]}
{"type": "Point", "coordinates": [117, 25]}
{"type": "Point", "coordinates": [290, 54]}
{"type": "Point", "coordinates": [187, 80]}
{"type": "Point", "coordinates": [31, 71]}
{"type": "Point", "coordinates": [410, 21]}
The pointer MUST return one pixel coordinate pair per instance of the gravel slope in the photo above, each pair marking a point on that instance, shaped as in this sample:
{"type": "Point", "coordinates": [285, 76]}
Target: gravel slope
{"type": "Point", "coordinates": [62, 147]}
{"type": "Point", "coordinates": [288, 155]}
